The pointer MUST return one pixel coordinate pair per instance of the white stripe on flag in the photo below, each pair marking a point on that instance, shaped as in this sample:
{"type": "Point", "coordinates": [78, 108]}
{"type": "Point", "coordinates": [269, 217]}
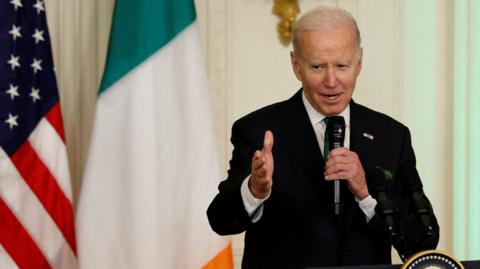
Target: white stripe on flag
{"type": "Point", "coordinates": [52, 151]}
{"type": "Point", "coordinates": [153, 164]}
{"type": "Point", "coordinates": [5, 260]}
{"type": "Point", "coordinates": [35, 219]}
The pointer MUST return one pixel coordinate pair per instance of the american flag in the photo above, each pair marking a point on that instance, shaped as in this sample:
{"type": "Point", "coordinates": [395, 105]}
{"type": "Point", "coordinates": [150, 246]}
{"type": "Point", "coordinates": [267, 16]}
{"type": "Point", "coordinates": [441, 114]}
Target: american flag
{"type": "Point", "coordinates": [36, 213]}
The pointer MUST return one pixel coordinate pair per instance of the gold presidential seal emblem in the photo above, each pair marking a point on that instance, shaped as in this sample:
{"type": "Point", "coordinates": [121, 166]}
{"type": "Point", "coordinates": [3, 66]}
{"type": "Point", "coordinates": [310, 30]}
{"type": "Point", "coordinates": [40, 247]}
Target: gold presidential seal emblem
{"type": "Point", "coordinates": [432, 259]}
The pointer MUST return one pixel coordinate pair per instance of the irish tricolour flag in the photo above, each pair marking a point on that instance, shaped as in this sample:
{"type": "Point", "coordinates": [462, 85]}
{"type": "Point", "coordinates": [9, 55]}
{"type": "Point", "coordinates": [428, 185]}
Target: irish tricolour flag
{"type": "Point", "coordinates": [152, 167]}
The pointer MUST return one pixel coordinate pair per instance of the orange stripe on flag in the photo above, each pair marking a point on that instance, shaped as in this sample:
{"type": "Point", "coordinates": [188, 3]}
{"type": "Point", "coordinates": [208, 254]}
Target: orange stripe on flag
{"type": "Point", "coordinates": [224, 259]}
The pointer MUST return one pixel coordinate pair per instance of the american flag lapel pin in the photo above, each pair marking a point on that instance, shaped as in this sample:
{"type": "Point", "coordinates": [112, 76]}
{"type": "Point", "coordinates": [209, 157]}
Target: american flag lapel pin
{"type": "Point", "coordinates": [369, 136]}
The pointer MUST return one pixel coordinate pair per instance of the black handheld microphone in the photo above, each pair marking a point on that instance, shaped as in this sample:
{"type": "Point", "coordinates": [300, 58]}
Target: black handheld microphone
{"type": "Point", "coordinates": [409, 175]}
{"type": "Point", "coordinates": [336, 135]}
{"type": "Point", "coordinates": [379, 186]}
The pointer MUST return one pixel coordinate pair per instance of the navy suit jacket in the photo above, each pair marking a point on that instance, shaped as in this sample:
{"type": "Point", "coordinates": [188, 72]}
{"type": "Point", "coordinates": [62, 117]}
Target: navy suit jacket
{"type": "Point", "coordinates": [298, 228]}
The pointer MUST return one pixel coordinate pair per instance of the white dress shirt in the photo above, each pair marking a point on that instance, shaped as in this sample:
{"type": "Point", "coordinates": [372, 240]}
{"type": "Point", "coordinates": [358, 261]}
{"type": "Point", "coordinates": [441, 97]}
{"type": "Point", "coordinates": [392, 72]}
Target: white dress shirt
{"type": "Point", "coordinates": [254, 206]}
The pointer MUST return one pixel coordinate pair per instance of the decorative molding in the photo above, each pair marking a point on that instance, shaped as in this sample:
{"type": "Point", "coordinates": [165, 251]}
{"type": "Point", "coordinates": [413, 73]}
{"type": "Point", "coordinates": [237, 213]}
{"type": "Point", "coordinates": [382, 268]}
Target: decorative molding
{"type": "Point", "coordinates": [398, 60]}
{"type": "Point", "coordinates": [287, 10]}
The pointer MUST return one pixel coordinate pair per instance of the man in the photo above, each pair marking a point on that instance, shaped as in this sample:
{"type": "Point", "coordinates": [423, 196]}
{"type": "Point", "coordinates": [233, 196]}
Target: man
{"type": "Point", "coordinates": [279, 187]}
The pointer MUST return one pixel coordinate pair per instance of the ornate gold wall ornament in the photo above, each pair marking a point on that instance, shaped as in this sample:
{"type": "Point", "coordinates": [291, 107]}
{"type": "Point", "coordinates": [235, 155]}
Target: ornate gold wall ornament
{"type": "Point", "coordinates": [287, 10]}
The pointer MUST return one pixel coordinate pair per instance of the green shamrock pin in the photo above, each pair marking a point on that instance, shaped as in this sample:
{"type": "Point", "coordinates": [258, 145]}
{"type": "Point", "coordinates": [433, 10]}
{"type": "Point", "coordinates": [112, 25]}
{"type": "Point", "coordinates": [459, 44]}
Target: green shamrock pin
{"type": "Point", "coordinates": [387, 173]}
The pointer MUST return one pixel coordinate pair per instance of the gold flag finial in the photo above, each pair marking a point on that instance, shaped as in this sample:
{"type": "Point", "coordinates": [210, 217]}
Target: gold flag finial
{"type": "Point", "coordinates": [287, 10]}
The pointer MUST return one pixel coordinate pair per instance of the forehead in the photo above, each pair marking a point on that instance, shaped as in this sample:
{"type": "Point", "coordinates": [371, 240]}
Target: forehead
{"type": "Point", "coordinates": [331, 42]}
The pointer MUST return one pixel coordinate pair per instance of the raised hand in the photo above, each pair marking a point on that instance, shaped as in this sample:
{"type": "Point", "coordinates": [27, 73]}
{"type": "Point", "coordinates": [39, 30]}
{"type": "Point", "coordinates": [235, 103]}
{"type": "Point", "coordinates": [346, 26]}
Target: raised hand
{"type": "Point", "coordinates": [260, 182]}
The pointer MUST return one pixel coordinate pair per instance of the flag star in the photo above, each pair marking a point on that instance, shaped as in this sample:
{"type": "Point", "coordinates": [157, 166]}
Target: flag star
{"type": "Point", "coordinates": [35, 94]}
{"type": "Point", "coordinates": [14, 61]}
{"type": "Point", "coordinates": [13, 91]}
{"type": "Point", "coordinates": [16, 3]}
{"type": "Point", "coordinates": [12, 120]}
{"type": "Point", "coordinates": [38, 36]}
{"type": "Point", "coordinates": [15, 32]}
{"type": "Point", "coordinates": [39, 6]}
{"type": "Point", "coordinates": [36, 65]}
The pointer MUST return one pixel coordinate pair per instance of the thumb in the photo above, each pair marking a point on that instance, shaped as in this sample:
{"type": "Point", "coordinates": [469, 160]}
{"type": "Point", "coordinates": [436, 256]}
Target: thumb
{"type": "Point", "coordinates": [268, 142]}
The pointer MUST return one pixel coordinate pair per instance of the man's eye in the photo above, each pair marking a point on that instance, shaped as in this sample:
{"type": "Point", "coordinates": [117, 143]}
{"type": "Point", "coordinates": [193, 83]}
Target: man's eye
{"type": "Point", "coordinates": [342, 66]}
{"type": "Point", "coordinates": [318, 66]}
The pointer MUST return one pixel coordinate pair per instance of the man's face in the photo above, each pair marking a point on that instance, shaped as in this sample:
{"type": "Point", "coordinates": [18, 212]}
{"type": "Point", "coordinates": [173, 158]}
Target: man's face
{"type": "Point", "coordinates": [327, 65]}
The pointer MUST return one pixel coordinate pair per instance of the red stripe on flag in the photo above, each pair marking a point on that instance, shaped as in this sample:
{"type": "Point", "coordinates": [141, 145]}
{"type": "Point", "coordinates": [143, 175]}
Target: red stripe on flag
{"type": "Point", "coordinates": [47, 190]}
{"type": "Point", "coordinates": [18, 243]}
{"type": "Point", "coordinates": [54, 116]}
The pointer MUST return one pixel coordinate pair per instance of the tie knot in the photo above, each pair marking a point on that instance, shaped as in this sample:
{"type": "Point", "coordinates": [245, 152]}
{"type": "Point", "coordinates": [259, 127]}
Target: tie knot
{"type": "Point", "coordinates": [326, 119]}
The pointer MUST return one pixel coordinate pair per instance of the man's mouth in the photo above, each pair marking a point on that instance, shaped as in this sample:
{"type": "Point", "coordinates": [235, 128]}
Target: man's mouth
{"type": "Point", "coordinates": [332, 97]}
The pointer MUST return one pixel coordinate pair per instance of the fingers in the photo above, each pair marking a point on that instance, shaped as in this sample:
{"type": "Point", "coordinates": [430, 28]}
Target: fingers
{"type": "Point", "coordinates": [260, 182]}
{"type": "Point", "coordinates": [268, 142]}
{"type": "Point", "coordinates": [340, 159]}
{"type": "Point", "coordinates": [344, 164]}
{"type": "Point", "coordinates": [262, 162]}
{"type": "Point", "coordinates": [262, 173]}
{"type": "Point", "coordinates": [340, 152]}
{"type": "Point", "coordinates": [259, 164]}
{"type": "Point", "coordinates": [258, 160]}
{"type": "Point", "coordinates": [339, 171]}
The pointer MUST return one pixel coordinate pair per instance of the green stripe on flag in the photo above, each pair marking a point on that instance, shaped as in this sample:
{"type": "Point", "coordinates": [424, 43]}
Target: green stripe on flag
{"type": "Point", "coordinates": [139, 29]}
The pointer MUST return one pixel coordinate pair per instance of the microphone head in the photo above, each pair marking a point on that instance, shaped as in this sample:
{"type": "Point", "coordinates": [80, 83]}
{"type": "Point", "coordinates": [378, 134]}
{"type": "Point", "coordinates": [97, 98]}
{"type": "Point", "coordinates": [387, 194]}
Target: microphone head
{"type": "Point", "coordinates": [335, 131]}
{"type": "Point", "coordinates": [410, 178]}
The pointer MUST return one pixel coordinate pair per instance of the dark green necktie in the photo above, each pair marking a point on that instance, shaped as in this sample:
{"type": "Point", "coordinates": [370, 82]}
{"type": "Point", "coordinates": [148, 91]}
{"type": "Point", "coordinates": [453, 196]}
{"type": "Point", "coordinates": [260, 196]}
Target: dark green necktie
{"type": "Point", "coordinates": [336, 183]}
{"type": "Point", "coordinates": [325, 140]}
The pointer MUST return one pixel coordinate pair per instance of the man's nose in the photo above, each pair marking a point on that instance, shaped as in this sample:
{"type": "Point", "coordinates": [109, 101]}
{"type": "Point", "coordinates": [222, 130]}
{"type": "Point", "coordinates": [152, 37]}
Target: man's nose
{"type": "Point", "coordinates": [330, 79]}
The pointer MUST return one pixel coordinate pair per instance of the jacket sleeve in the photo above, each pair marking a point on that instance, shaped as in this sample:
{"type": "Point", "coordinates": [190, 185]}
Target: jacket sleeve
{"type": "Point", "coordinates": [227, 214]}
{"type": "Point", "coordinates": [415, 235]}
{"type": "Point", "coordinates": [411, 238]}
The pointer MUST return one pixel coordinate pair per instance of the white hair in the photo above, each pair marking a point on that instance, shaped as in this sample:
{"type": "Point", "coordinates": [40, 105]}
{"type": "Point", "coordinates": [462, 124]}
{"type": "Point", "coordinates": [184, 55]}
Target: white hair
{"type": "Point", "coordinates": [324, 18]}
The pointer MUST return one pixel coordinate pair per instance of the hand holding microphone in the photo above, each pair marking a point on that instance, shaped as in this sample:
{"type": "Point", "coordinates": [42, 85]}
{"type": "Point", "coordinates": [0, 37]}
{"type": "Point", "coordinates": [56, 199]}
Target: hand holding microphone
{"type": "Point", "coordinates": [343, 164]}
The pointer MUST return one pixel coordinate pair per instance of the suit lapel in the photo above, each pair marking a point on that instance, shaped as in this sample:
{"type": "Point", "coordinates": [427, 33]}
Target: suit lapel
{"type": "Point", "coordinates": [361, 139]}
{"type": "Point", "coordinates": [300, 135]}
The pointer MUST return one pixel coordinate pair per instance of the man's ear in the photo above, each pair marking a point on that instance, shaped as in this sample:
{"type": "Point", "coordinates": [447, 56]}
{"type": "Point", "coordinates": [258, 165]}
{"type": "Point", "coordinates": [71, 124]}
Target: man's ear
{"type": "Point", "coordinates": [360, 61]}
{"type": "Point", "coordinates": [295, 64]}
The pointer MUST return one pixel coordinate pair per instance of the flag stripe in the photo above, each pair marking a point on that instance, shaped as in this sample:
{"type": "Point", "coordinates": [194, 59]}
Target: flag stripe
{"type": "Point", "coordinates": [18, 243]}
{"type": "Point", "coordinates": [53, 153]}
{"type": "Point", "coordinates": [5, 260]}
{"type": "Point", "coordinates": [35, 187]}
{"type": "Point", "coordinates": [32, 215]}
{"type": "Point", "coordinates": [46, 188]}
{"type": "Point", "coordinates": [139, 29]}
{"type": "Point", "coordinates": [152, 159]}
{"type": "Point", "coordinates": [54, 116]}
{"type": "Point", "coordinates": [224, 259]}
{"type": "Point", "coordinates": [137, 167]}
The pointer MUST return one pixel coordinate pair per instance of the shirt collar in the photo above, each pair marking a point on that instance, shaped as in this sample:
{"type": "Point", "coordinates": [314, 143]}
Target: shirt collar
{"type": "Point", "coordinates": [316, 117]}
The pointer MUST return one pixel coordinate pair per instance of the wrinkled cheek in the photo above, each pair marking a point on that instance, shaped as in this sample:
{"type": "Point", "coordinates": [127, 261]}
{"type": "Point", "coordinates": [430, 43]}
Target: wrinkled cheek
{"type": "Point", "coordinates": [316, 85]}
